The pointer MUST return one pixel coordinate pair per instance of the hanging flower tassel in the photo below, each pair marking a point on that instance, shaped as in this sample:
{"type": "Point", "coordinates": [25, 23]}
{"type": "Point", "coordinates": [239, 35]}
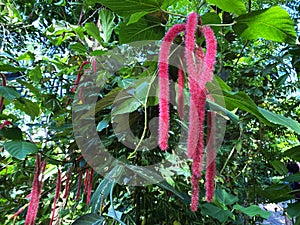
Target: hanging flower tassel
{"type": "Point", "coordinates": [200, 71]}
{"type": "Point", "coordinates": [67, 186]}
{"type": "Point", "coordinates": [57, 191]}
{"type": "Point", "coordinates": [88, 184]}
{"type": "Point", "coordinates": [3, 84]}
{"type": "Point", "coordinates": [210, 156]}
{"type": "Point", "coordinates": [35, 191]}
{"type": "Point", "coordinates": [163, 67]}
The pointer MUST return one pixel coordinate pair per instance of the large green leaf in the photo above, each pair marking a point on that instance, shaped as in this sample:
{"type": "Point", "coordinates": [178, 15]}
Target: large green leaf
{"type": "Point", "coordinates": [148, 28]}
{"type": "Point", "coordinates": [225, 198]}
{"type": "Point", "coordinates": [272, 24]}
{"type": "Point", "coordinates": [9, 93]}
{"type": "Point", "coordinates": [253, 210]}
{"type": "Point", "coordinates": [279, 167]}
{"type": "Point", "coordinates": [293, 153]}
{"type": "Point", "coordinates": [294, 209]}
{"type": "Point", "coordinates": [89, 219]}
{"type": "Point", "coordinates": [281, 120]}
{"type": "Point", "coordinates": [292, 178]}
{"type": "Point", "coordinates": [107, 23]}
{"type": "Point", "coordinates": [13, 133]}
{"type": "Point", "coordinates": [20, 149]}
{"type": "Point", "coordinates": [236, 6]}
{"type": "Point", "coordinates": [93, 30]}
{"type": "Point", "coordinates": [242, 101]}
{"type": "Point", "coordinates": [216, 212]}
{"type": "Point", "coordinates": [129, 7]}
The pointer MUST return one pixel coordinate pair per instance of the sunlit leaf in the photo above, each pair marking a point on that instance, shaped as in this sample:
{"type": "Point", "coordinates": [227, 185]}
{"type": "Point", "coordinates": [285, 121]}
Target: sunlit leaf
{"type": "Point", "coordinates": [236, 6]}
{"type": "Point", "coordinates": [253, 210]}
{"type": "Point", "coordinates": [20, 149]}
{"type": "Point", "coordinates": [273, 24]}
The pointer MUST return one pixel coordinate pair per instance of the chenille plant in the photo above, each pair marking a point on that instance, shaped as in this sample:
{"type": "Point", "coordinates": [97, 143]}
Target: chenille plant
{"type": "Point", "coordinates": [200, 71]}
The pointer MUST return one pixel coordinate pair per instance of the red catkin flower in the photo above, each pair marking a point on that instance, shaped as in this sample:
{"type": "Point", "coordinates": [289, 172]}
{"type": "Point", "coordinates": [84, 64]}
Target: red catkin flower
{"type": "Point", "coordinates": [200, 71]}
{"type": "Point", "coordinates": [164, 84]}
{"type": "Point", "coordinates": [67, 186]}
{"type": "Point", "coordinates": [210, 156]}
{"type": "Point", "coordinates": [3, 84]}
{"type": "Point", "coordinates": [35, 191]}
{"type": "Point", "coordinates": [210, 56]}
{"type": "Point", "coordinates": [57, 191]}
{"type": "Point", "coordinates": [90, 186]}
{"type": "Point", "coordinates": [79, 182]}
{"type": "Point", "coordinates": [78, 77]}
{"type": "Point", "coordinates": [194, 125]}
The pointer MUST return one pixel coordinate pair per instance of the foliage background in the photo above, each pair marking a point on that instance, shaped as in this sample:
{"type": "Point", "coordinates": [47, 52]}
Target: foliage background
{"type": "Point", "coordinates": [43, 44]}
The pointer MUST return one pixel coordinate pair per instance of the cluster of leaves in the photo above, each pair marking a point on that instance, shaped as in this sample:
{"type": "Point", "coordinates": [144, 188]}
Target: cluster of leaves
{"type": "Point", "coordinates": [45, 42]}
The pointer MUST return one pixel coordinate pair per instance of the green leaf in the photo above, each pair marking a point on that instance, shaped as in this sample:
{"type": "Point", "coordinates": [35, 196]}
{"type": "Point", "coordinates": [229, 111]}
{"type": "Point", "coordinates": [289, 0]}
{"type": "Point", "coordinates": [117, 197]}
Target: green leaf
{"type": "Point", "coordinates": [292, 178]}
{"type": "Point", "coordinates": [102, 125]}
{"type": "Point", "coordinates": [281, 120]}
{"type": "Point", "coordinates": [10, 68]}
{"type": "Point", "coordinates": [272, 24]}
{"type": "Point", "coordinates": [253, 210]}
{"type": "Point", "coordinates": [26, 56]}
{"type": "Point", "coordinates": [136, 17]}
{"type": "Point", "coordinates": [31, 87]}
{"type": "Point", "coordinates": [9, 93]}
{"type": "Point", "coordinates": [13, 133]}
{"type": "Point", "coordinates": [32, 109]}
{"type": "Point", "coordinates": [20, 149]}
{"type": "Point", "coordinates": [93, 30]}
{"type": "Point", "coordinates": [236, 6]}
{"type": "Point", "coordinates": [225, 198]}
{"type": "Point", "coordinates": [293, 209]}
{"type": "Point", "coordinates": [129, 7]}
{"type": "Point", "coordinates": [107, 23]}
{"type": "Point", "coordinates": [293, 153]}
{"type": "Point", "coordinates": [211, 18]}
{"type": "Point", "coordinates": [279, 167]}
{"type": "Point", "coordinates": [242, 101]}
{"type": "Point", "coordinates": [182, 195]}
{"type": "Point", "coordinates": [35, 74]}
{"type": "Point", "coordinates": [216, 212]}
{"type": "Point", "coordinates": [89, 219]}
{"type": "Point", "coordinates": [78, 47]}
{"type": "Point", "coordinates": [148, 28]}
{"type": "Point", "coordinates": [127, 106]}
{"type": "Point", "coordinates": [215, 107]}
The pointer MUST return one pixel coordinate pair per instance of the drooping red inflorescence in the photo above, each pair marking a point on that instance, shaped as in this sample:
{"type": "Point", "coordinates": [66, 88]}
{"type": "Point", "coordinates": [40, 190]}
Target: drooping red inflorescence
{"type": "Point", "coordinates": [200, 71]}
{"type": "Point", "coordinates": [79, 182]}
{"type": "Point", "coordinates": [210, 156]}
{"type": "Point", "coordinates": [2, 98]}
{"type": "Point", "coordinates": [67, 185]}
{"type": "Point", "coordinates": [35, 191]}
{"type": "Point", "coordinates": [88, 181]}
{"type": "Point", "coordinates": [164, 84]}
{"type": "Point", "coordinates": [57, 192]}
